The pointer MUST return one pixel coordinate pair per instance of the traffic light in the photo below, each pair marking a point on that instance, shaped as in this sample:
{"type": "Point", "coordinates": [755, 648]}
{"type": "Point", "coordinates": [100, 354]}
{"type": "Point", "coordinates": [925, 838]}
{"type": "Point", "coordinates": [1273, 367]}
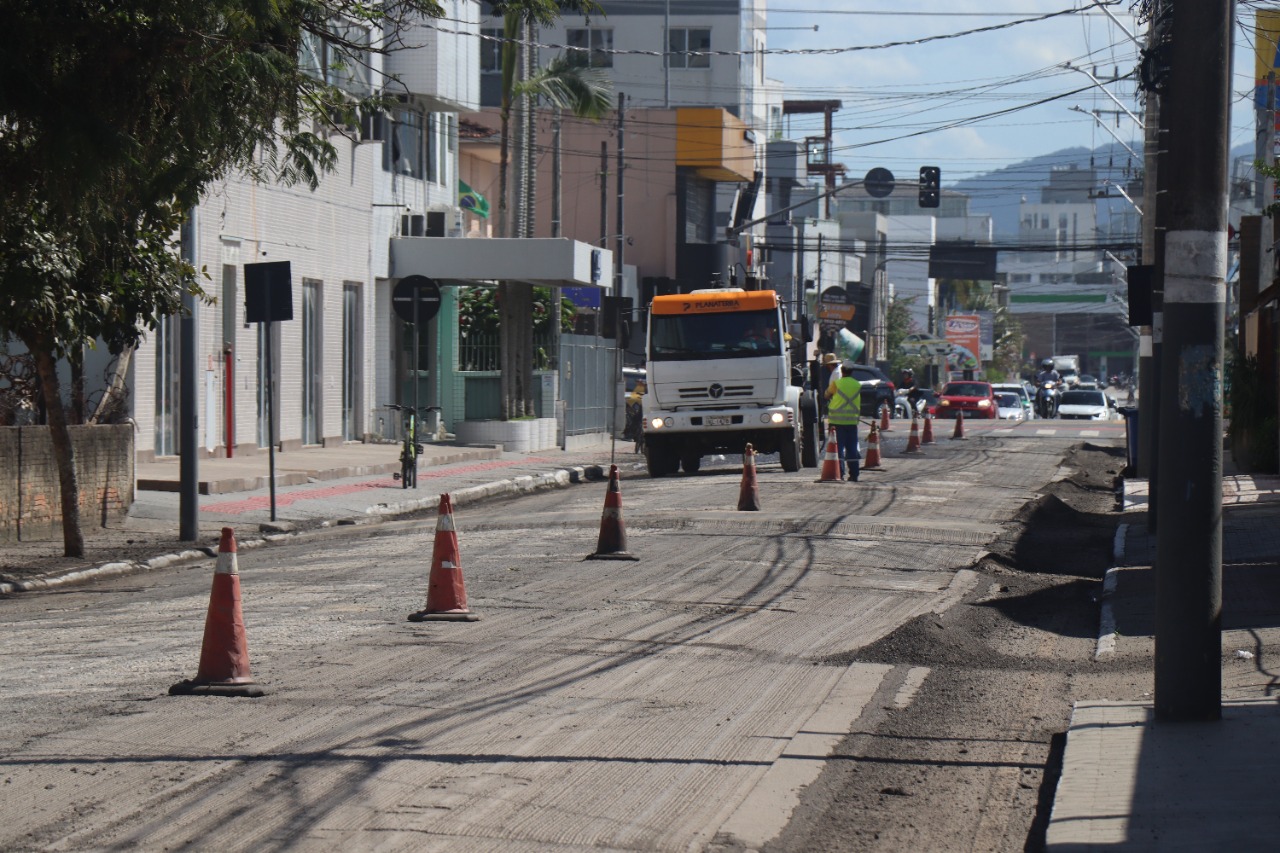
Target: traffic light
{"type": "Point", "coordinates": [930, 186]}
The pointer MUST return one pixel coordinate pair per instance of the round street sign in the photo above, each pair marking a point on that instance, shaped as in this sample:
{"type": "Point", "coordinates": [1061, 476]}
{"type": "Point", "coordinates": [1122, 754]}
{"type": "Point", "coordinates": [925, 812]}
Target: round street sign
{"type": "Point", "coordinates": [878, 182]}
{"type": "Point", "coordinates": [417, 288]}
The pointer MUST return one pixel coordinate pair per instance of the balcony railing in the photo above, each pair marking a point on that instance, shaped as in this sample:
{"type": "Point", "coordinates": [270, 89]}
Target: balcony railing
{"type": "Point", "coordinates": [481, 353]}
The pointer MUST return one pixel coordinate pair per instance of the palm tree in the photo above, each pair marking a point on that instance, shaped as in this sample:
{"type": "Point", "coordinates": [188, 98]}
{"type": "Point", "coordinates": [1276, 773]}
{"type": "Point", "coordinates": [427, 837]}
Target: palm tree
{"type": "Point", "coordinates": [566, 83]}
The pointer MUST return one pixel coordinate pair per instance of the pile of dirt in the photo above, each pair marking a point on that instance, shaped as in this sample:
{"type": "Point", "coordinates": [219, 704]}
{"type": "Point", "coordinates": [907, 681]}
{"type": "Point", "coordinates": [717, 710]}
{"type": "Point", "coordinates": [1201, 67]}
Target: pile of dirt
{"type": "Point", "coordinates": [972, 762]}
{"type": "Point", "coordinates": [1069, 529]}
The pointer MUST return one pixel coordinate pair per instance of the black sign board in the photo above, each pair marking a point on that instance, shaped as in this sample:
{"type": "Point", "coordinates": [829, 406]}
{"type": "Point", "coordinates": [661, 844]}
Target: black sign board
{"type": "Point", "coordinates": [1141, 280]}
{"type": "Point", "coordinates": [963, 260]}
{"type": "Point", "coordinates": [419, 290]}
{"type": "Point", "coordinates": [878, 182]}
{"type": "Point", "coordinates": [268, 292]}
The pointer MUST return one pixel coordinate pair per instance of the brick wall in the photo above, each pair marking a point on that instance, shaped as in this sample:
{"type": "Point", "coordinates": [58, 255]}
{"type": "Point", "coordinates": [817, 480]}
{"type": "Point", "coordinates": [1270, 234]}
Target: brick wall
{"type": "Point", "coordinates": [30, 498]}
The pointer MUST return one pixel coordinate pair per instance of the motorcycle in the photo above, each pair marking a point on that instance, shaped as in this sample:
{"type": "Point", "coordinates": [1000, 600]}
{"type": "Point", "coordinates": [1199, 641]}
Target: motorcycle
{"type": "Point", "coordinates": [1047, 400]}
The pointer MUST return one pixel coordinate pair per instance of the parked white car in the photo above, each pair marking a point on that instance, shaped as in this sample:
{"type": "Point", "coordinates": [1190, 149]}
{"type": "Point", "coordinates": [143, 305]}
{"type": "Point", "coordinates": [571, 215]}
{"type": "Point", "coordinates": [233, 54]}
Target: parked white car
{"type": "Point", "coordinates": [1085, 405]}
{"type": "Point", "coordinates": [924, 344]}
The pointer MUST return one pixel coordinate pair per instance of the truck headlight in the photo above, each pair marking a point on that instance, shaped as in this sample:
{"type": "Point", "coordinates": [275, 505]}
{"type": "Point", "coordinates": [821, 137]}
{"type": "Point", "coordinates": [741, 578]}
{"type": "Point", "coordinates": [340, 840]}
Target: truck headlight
{"type": "Point", "coordinates": [984, 404]}
{"type": "Point", "coordinates": [656, 423]}
{"type": "Point", "coordinates": [945, 403]}
{"type": "Point", "coordinates": [772, 418]}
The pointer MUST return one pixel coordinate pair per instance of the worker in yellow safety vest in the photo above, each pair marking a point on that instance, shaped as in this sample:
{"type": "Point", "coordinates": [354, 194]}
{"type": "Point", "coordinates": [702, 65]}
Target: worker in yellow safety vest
{"type": "Point", "coordinates": [843, 410]}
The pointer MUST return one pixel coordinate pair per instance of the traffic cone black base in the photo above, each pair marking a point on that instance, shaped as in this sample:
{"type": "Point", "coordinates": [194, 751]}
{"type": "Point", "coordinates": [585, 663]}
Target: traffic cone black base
{"type": "Point", "coordinates": [446, 616]}
{"type": "Point", "coordinates": [192, 688]}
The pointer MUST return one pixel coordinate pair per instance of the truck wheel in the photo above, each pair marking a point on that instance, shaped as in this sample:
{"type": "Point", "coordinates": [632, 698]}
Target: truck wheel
{"type": "Point", "coordinates": [691, 463]}
{"type": "Point", "coordinates": [659, 457]}
{"type": "Point", "coordinates": [809, 438]}
{"type": "Point", "coordinates": [789, 453]}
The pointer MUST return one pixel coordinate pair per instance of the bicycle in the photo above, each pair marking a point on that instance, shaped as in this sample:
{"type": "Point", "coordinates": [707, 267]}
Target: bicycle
{"type": "Point", "coordinates": [411, 449]}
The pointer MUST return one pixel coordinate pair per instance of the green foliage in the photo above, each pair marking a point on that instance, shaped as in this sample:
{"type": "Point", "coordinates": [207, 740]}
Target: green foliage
{"type": "Point", "coordinates": [478, 311]}
{"type": "Point", "coordinates": [897, 327]}
{"type": "Point", "coordinates": [1261, 167]}
{"type": "Point", "coordinates": [114, 118]}
{"type": "Point", "coordinates": [117, 116]}
{"type": "Point", "coordinates": [1006, 360]}
{"type": "Point", "coordinates": [1253, 426]}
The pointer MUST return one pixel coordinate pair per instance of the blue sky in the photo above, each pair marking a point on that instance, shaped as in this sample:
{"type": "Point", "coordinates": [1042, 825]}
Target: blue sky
{"type": "Point", "coordinates": [965, 104]}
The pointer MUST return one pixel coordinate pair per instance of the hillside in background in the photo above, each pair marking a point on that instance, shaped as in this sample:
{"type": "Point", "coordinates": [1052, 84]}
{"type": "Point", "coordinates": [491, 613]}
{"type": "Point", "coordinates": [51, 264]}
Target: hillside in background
{"type": "Point", "coordinates": [1000, 192]}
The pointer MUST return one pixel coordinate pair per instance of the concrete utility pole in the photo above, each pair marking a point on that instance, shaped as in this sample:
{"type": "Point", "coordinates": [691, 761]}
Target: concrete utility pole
{"type": "Point", "coordinates": [1146, 377]}
{"type": "Point", "coordinates": [1188, 668]}
{"type": "Point", "coordinates": [622, 225]}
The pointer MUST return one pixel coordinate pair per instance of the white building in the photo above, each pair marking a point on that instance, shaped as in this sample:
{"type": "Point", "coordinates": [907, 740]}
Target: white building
{"type": "Point", "coordinates": [345, 354]}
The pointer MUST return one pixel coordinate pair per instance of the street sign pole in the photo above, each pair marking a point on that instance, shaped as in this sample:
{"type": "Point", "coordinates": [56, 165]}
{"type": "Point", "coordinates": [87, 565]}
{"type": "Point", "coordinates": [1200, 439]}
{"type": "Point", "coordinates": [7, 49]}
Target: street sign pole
{"type": "Point", "coordinates": [415, 300]}
{"type": "Point", "coordinates": [413, 363]}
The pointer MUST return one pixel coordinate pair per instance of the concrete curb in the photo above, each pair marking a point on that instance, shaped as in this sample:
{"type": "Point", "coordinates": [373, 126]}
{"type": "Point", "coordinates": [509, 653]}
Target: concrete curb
{"type": "Point", "coordinates": [525, 484]}
{"type": "Point", "coordinates": [1106, 618]}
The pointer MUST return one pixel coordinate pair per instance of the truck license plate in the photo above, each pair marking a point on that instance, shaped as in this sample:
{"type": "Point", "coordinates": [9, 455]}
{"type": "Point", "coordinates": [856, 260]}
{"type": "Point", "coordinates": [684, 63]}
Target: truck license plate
{"type": "Point", "coordinates": [720, 420]}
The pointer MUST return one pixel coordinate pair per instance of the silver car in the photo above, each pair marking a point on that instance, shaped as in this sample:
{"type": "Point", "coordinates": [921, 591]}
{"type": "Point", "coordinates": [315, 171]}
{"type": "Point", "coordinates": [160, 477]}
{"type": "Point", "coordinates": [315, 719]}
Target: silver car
{"type": "Point", "coordinates": [1028, 410]}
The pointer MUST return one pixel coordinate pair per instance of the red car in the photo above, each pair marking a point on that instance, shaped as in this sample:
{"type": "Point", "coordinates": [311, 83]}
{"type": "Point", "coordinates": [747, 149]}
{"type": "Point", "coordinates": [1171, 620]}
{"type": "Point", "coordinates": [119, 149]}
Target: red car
{"type": "Point", "coordinates": [975, 399]}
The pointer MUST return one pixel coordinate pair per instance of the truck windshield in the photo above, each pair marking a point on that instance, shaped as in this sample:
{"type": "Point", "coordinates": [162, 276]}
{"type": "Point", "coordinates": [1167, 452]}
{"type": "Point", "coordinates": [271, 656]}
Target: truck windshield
{"type": "Point", "coordinates": [736, 334]}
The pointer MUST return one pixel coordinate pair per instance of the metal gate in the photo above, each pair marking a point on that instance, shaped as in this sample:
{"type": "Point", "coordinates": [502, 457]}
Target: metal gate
{"type": "Point", "coordinates": [589, 384]}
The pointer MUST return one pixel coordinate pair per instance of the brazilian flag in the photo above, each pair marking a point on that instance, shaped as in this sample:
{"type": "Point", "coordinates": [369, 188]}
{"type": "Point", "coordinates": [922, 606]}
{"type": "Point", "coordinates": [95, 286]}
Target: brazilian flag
{"type": "Point", "coordinates": [471, 201]}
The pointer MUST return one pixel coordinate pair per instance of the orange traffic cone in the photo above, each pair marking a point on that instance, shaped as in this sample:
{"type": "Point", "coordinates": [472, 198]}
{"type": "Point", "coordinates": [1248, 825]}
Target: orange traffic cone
{"type": "Point", "coordinates": [749, 494]}
{"type": "Point", "coordinates": [913, 440]}
{"type": "Point", "coordinates": [446, 591]}
{"type": "Point", "coordinates": [926, 435]}
{"type": "Point", "coordinates": [873, 449]}
{"type": "Point", "coordinates": [884, 417]}
{"type": "Point", "coordinates": [959, 430]}
{"type": "Point", "coordinates": [612, 544]}
{"type": "Point", "coordinates": [831, 460]}
{"type": "Point", "coordinates": [224, 654]}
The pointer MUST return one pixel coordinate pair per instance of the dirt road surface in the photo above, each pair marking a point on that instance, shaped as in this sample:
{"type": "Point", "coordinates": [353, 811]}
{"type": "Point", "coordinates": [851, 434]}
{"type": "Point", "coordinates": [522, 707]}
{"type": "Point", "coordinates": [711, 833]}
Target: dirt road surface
{"type": "Point", "coordinates": [886, 665]}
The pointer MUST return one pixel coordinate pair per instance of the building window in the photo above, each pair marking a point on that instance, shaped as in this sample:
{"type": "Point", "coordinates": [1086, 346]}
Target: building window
{"type": "Point", "coordinates": [404, 140]}
{"type": "Point", "coordinates": [491, 50]}
{"type": "Point", "coordinates": [682, 40]}
{"type": "Point", "coordinates": [312, 369]}
{"type": "Point", "coordinates": [344, 65]}
{"type": "Point", "coordinates": [351, 361]}
{"type": "Point", "coordinates": [597, 40]}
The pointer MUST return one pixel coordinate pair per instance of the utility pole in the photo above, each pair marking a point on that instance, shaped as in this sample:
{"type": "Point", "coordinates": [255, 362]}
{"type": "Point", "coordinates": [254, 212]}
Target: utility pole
{"type": "Point", "coordinates": [604, 193]}
{"type": "Point", "coordinates": [1188, 668]}
{"type": "Point", "coordinates": [666, 55]}
{"type": "Point", "coordinates": [622, 237]}
{"type": "Point", "coordinates": [1145, 366]}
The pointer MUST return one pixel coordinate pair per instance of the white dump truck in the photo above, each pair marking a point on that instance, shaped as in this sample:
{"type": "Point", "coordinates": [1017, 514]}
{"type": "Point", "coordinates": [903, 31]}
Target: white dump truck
{"type": "Point", "coordinates": [719, 378]}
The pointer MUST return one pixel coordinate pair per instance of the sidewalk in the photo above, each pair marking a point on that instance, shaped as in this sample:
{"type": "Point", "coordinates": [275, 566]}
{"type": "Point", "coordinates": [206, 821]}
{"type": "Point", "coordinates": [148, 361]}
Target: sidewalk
{"type": "Point", "coordinates": [315, 487]}
{"type": "Point", "coordinates": [1130, 783]}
